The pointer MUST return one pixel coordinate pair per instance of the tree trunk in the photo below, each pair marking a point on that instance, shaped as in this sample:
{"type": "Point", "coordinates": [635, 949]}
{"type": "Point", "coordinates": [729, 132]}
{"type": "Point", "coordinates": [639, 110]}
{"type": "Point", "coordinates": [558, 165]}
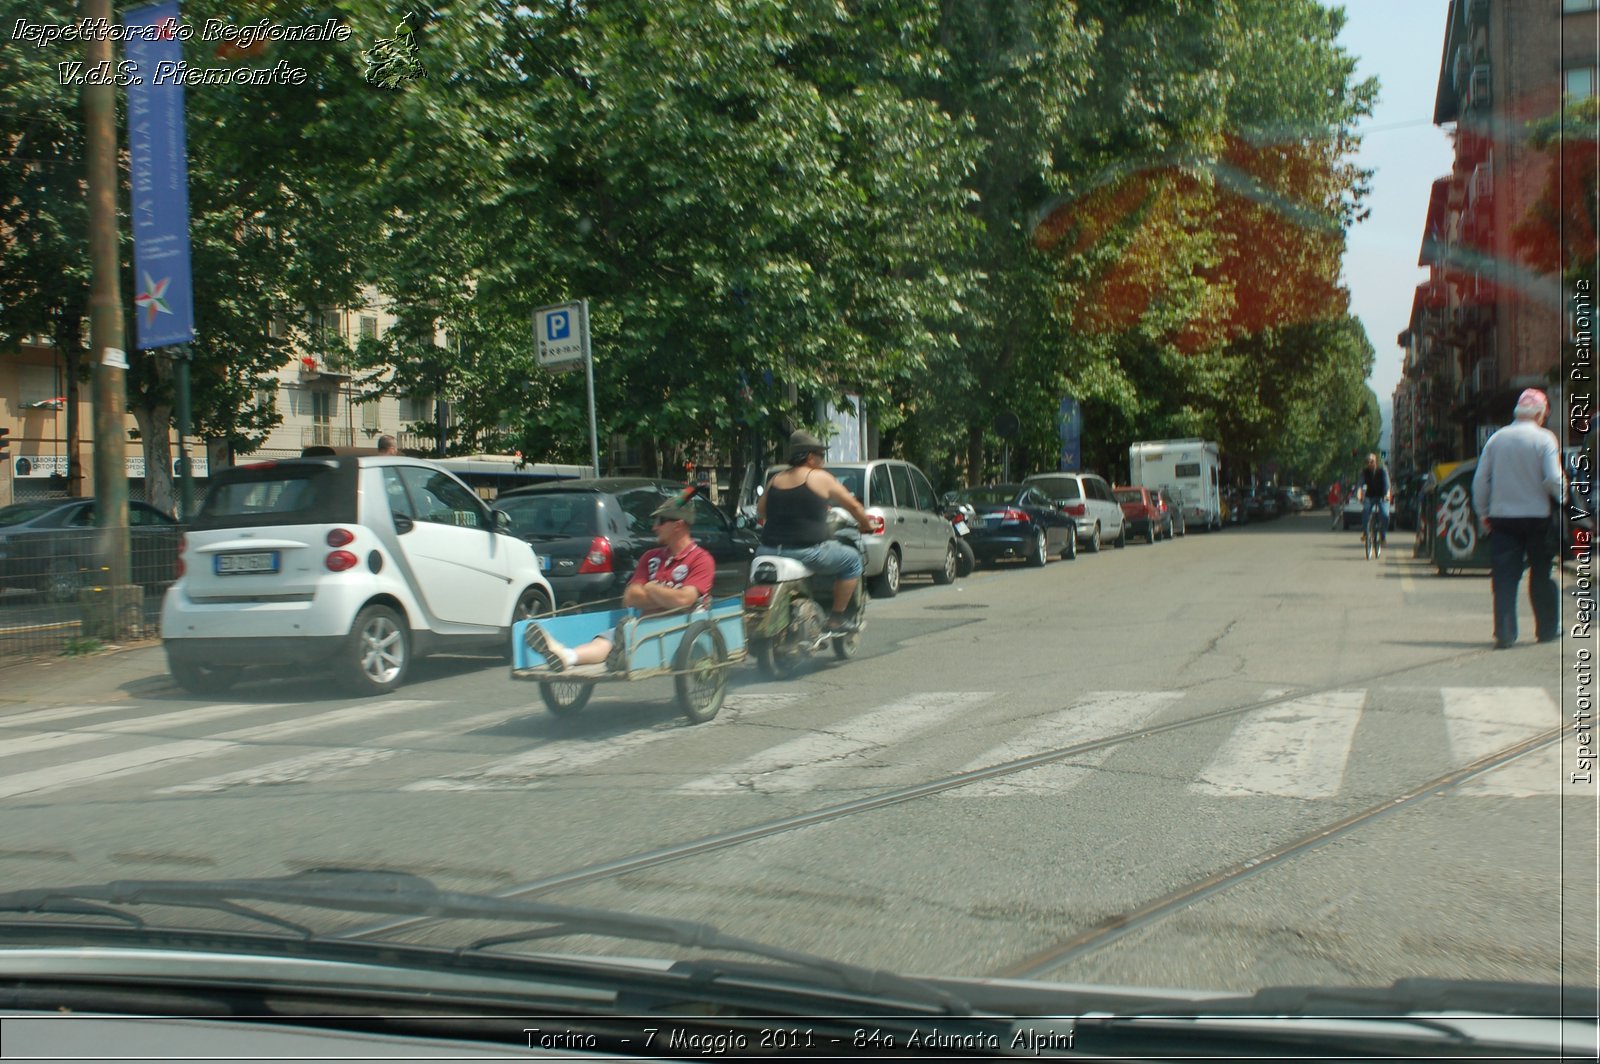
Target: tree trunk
{"type": "Point", "coordinates": [974, 455]}
{"type": "Point", "coordinates": [155, 425]}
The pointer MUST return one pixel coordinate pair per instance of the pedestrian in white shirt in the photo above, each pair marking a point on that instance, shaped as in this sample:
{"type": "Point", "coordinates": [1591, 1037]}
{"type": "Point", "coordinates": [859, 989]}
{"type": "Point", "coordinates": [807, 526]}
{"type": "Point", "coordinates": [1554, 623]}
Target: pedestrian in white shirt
{"type": "Point", "coordinates": [1517, 493]}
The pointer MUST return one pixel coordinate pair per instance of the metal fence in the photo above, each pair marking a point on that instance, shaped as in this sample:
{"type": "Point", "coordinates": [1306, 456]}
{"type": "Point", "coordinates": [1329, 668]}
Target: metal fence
{"type": "Point", "coordinates": [54, 599]}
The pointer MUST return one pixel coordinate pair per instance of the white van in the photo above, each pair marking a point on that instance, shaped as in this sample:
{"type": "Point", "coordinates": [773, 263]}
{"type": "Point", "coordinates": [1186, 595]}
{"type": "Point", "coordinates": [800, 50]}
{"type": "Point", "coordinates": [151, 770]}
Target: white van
{"type": "Point", "coordinates": [1191, 469]}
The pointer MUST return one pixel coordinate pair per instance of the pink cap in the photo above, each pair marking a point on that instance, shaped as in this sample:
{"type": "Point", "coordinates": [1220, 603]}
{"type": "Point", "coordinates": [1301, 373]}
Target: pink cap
{"type": "Point", "coordinates": [1532, 403]}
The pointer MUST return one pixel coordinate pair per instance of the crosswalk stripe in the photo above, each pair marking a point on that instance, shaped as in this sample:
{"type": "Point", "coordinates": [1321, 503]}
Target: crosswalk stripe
{"type": "Point", "coordinates": [96, 769]}
{"type": "Point", "coordinates": [798, 764]}
{"type": "Point", "coordinates": [190, 714]}
{"type": "Point", "coordinates": [1482, 720]}
{"type": "Point", "coordinates": [306, 768]}
{"type": "Point", "coordinates": [1096, 716]}
{"type": "Point", "coordinates": [1296, 749]}
{"type": "Point", "coordinates": [538, 766]}
{"type": "Point", "coordinates": [93, 770]}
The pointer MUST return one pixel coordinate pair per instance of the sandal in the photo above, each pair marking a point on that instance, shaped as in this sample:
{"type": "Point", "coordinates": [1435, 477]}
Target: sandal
{"type": "Point", "coordinates": [539, 642]}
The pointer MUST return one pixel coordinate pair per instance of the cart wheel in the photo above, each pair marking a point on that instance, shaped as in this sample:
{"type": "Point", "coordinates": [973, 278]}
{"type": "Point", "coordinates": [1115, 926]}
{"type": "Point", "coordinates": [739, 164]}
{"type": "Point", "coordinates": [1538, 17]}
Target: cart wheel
{"type": "Point", "coordinates": [565, 697]}
{"type": "Point", "coordinates": [702, 672]}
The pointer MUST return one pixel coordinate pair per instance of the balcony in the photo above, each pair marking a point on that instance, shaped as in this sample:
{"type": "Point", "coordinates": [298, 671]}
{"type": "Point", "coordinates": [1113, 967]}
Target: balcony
{"type": "Point", "coordinates": [330, 369]}
{"type": "Point", "coordinates": [326, 436]}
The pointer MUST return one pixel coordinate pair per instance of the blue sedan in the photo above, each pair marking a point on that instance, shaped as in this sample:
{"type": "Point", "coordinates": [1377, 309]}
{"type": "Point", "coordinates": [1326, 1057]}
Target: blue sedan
{"type": "Point", "coordinates": [1018, 521]}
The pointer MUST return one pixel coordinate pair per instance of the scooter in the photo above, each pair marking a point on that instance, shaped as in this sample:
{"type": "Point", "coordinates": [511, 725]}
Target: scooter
{"type": "Point", "coordinates": [961, 516]}
{"type": "Point", "coordinates": [786, 607]}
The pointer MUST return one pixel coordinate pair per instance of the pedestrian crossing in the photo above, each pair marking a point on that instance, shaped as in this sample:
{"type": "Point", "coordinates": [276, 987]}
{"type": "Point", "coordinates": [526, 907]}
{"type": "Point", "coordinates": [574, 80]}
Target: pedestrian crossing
{"type": "Point", "coordinates": [1313, 747]}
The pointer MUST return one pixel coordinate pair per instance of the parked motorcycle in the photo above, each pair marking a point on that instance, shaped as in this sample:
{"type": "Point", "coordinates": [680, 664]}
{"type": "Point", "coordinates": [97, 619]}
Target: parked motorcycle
{"type": "Point", "coordinates": [786, 607]}
{"type": "Point", "coordinates": [961, 516]}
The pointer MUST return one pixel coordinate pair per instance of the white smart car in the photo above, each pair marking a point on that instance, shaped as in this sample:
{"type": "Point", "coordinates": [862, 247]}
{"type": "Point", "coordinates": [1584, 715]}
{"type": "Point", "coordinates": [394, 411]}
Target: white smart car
{"type": "Point", "coordinates": [353, 563]}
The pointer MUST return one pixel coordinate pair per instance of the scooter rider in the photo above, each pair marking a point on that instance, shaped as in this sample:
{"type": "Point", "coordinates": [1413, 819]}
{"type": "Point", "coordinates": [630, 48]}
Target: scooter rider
{"type": "Point", "coordinates": [794, 515]}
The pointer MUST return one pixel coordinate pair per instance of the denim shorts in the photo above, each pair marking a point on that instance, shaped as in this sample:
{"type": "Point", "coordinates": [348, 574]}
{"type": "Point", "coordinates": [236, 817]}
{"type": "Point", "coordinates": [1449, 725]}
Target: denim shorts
{"type": "Point", "coordinates": [829, 558]}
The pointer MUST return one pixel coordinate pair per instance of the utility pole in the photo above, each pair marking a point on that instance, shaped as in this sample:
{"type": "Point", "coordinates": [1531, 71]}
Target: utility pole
{"type": "Point", "coordinates": [106, 345]}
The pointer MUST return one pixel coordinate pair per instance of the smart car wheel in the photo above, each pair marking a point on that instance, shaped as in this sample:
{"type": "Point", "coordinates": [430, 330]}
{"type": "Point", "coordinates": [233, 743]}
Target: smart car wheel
{"type": "Point", "coordinates": [378, 654]}
{"type": "Point", "coordinates": [532, 603]}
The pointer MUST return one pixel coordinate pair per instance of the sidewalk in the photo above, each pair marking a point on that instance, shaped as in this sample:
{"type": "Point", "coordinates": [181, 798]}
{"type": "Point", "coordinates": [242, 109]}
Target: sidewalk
{"type": "Point", "coordinates": [113, 675]}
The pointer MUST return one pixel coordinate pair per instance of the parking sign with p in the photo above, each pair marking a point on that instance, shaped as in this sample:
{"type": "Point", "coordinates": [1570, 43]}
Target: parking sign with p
{"type": "Point", "coordinates": [561, 336]}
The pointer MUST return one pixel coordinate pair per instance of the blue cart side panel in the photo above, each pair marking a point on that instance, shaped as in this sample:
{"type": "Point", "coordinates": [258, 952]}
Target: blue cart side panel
{"type": "Point", "coordinates": [570, 630]}
{"type": "Point", "coordinates": [729, 616]}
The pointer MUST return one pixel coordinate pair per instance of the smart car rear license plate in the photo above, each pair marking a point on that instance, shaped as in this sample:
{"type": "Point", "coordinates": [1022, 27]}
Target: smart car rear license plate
{"type": "Point", "coordinates": [255, 562]}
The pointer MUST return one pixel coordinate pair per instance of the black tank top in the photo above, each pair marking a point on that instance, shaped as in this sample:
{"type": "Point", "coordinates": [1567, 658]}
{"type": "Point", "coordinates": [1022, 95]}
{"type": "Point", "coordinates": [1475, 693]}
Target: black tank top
{"type": "Point", "coordinates": [796, 517]}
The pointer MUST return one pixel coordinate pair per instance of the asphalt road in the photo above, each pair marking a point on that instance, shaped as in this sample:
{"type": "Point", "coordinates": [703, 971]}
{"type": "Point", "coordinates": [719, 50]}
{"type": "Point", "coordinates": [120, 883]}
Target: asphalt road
{"type": "Point", "coordinates": [1262, 741]}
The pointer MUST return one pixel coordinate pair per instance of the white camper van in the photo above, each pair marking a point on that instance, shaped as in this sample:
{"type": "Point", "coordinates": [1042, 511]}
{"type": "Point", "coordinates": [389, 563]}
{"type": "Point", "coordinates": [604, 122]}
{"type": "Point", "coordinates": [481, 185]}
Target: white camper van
{"type": "Point", "coordinates": [1190, 468]}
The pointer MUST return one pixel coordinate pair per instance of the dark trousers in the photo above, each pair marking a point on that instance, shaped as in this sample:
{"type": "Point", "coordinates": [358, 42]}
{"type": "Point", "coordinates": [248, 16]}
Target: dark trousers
{"type": "Point", "coordinates": [1513, 542]}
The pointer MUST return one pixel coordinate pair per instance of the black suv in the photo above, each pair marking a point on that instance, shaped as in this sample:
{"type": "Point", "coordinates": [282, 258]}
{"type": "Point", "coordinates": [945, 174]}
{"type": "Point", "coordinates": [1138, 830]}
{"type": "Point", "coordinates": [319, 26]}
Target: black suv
{"type": "Point", "coordinates": [590, 534]}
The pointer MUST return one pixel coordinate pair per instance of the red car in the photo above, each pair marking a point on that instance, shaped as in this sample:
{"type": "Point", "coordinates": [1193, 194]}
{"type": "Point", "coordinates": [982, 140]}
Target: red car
{"type": "Point", "coordinates": [1141, 512]}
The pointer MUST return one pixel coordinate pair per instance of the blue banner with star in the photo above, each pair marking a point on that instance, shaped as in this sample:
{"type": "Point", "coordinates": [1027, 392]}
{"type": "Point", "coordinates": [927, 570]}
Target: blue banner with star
{"type": "Point", "coordinates": [164, 294]}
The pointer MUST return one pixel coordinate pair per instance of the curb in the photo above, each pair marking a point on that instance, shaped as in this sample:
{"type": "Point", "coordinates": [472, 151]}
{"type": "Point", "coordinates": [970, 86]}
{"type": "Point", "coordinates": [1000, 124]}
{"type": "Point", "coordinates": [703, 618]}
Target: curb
{"type": "Point", "coordinates": [109, 650]}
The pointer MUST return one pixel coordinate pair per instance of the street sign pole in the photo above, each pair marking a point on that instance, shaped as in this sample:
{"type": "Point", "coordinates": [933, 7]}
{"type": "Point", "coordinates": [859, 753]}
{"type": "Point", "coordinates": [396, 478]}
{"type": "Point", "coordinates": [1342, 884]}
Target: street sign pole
{"type": "Point", "coordinates": [588, 369]}
{"type": "Point", "coordinates": [561, 342]}
{"type": "Point", "coordinates": [185, 477]}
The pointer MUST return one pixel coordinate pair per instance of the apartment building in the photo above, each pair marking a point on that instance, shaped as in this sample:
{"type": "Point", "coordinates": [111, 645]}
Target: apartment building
{"type": "Point", "coordinates": [319, 403]}
{"type": "Point", "coordinates": [1484, 326]}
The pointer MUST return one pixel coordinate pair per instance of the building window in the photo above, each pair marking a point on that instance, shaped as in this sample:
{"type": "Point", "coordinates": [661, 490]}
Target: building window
{"type": "Point", "coordinates": [1580, 82]}
{"type": "Point", "coordinates": [333, 324]}
{"type": "Point", "coordinates": [372, 416]}
{"type": "Point", "coordinates": [416, 408]}
{"type": "Point", "coordinates": [369, 328]}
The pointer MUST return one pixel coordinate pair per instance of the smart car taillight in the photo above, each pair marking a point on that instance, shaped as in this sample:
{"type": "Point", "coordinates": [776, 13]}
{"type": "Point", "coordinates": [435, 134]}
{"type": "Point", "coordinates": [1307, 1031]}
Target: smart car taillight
{"type": "Point", "coordinates": [340, 560]}
{"type": "Point", "coordinates": [598, 559]}
{"type": "Point", "coordinates": [759, 596]}
{"type": "Point", "coordinates": [339, 537]}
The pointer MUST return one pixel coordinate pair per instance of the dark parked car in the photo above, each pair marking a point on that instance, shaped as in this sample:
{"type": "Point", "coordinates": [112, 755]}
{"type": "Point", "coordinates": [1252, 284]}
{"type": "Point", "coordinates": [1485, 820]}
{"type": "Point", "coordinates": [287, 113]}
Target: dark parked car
{"type": "Point", "coordinates": [590, 534]}
{"type": "Point", "coordinates": [1142, 513]}
{"type": "Point", "coordinates": [1017, 521]}
{"type": "Point", "coordinates": [49, 546]}
{"type": "Point", "coordinates": [1171, 500]}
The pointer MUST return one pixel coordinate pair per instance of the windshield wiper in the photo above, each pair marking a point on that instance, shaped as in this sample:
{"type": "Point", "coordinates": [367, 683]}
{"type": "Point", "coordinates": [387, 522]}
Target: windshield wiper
{"type": "Point", "coordinates": [404, 894]}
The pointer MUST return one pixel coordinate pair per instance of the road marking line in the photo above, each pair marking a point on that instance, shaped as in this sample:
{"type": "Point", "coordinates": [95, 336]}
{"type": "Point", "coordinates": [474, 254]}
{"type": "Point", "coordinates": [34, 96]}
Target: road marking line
{"type": "Point", "coordinates": [306, 768]}
{"type": "Point", "coordinates": [538, 766]}
{"type": "Point", "coordinates": [353, 715]}
{"type": "Point", "coordinates": [111, 766]}
{"type": "Point", "coordinates": [796, 765]}
{"type": "Point", "coordinates": [1483, 720]}
{"type": "Point", "coordinates": [1297, 749]}
{"type": "Point", "coordinates": [1100, 714]}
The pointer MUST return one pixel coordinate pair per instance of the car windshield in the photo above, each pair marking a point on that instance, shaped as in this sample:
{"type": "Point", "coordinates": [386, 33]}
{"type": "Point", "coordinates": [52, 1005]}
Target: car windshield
{"type": "Point", "coordinates": [552, 515]}
{"type": "Point", "coordinates": [280, 495]}
{"type": "Point", "coordinates": [460, 339]}
{"type": "Point", "coordinates": [850, 478]}
{"type": "Point", "coordinates": [996, 496]}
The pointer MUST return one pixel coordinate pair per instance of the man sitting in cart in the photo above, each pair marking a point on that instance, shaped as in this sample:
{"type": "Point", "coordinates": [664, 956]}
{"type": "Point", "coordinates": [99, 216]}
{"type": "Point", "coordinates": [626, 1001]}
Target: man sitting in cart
{"type": "Point", "coordinates": [675, 576]}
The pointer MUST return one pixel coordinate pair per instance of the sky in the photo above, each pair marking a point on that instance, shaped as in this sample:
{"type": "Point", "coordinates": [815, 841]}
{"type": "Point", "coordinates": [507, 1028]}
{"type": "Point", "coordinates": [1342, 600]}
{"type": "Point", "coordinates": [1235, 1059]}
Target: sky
{"type": "Point", "coordinates": [1399, 43]}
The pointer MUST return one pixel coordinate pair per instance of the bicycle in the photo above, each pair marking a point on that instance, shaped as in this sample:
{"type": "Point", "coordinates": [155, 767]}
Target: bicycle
{"type": "Point", "coordinates": [1375, 532]}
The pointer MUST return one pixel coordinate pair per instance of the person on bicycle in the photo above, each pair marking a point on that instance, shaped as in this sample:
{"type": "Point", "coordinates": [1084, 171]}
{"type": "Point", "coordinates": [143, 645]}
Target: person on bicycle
{"type": "Point", "coordinates": [1375, 492]}
{"type": "Point", "coordinates": [1336, 504]}
{"type": "Point", "coordinates": [793, 511]}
